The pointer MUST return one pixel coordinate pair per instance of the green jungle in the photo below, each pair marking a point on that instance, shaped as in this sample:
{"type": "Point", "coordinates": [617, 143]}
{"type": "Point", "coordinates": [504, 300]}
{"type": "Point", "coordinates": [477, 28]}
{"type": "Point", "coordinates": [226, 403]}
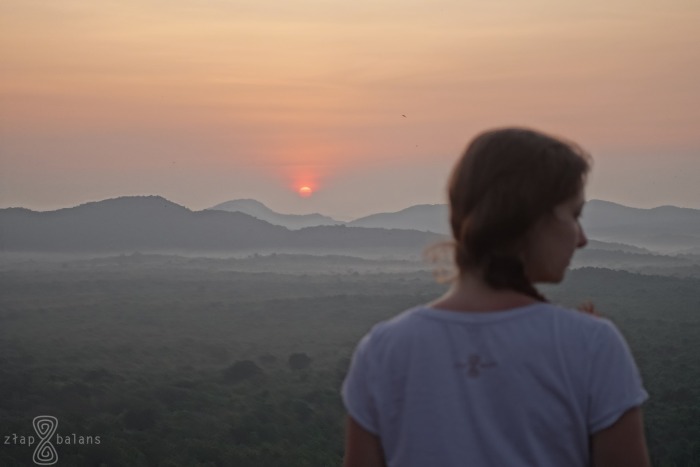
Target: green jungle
{"type": "Point", "coordinates": [176, 361]}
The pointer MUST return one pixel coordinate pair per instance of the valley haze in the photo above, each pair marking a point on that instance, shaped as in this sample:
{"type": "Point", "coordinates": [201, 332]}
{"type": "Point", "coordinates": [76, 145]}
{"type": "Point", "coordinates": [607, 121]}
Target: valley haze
{"type": "Point", "coordinates": [663, 240]}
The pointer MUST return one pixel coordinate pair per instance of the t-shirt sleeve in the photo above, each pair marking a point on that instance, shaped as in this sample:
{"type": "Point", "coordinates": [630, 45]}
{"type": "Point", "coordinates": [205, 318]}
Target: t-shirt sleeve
{"type": "Point", "coordinates": [356, 392]}
{"type": "Point", "coordinates": [615, 385]}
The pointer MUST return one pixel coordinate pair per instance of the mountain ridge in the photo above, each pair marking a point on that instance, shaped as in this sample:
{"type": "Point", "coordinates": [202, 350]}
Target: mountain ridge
{"type": "Point", "coordinates": [666, 229]}
{"type": "Point", "coordinates": [258, 210]}
{"type": "Point", "coordinates": [156, 224]}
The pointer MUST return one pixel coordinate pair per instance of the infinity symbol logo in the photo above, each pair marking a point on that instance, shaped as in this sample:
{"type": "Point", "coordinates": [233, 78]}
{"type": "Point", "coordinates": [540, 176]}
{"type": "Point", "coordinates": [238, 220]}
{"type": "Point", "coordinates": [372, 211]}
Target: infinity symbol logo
{"type": "Point", "coordinates": [45, 426]}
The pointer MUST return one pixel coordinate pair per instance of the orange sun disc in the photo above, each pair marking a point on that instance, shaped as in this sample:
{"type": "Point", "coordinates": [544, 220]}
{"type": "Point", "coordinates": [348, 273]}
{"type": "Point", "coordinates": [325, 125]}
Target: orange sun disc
{"type": "Point", "coordinates": [305, 191]}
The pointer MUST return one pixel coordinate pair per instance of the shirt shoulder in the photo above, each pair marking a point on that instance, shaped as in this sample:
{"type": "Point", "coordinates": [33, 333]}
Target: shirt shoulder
{"type": "Point", "coordinates": [407, 325]}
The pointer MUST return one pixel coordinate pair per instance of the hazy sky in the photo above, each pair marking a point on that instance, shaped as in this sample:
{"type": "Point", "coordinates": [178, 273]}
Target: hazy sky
{"type": "Point", "coordinates": [207, 101]}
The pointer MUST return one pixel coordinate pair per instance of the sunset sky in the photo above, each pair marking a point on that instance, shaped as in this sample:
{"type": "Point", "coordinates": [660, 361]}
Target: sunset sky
{"type": "Point", "coordinates": [207, 101]}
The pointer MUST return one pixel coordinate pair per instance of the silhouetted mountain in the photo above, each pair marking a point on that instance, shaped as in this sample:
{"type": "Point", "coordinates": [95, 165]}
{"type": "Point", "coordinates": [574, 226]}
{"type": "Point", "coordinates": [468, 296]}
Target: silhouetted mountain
{"type": "Point", "coordinates": [152, 223]}
{"type": "Point", "coordinates": [260, 211]}
{"type": "Point", "coordinates": [127, 223]}
{"type": "Point", "coordinates": [665, 228]}
{"type": "Point", "coordinates": [422, 217]}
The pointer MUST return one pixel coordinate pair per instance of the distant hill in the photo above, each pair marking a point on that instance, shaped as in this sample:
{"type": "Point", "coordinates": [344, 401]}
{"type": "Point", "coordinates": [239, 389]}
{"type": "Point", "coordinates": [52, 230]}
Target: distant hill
{"type": "Point", "coordinates": [131, 223]}
{"type": "Point", "coordinates": [665, 229]}
{"type": "Point", "coordinates": [422, 217]}
{"type": "Point", "coordinates": [260, 211]}
{"type": "Point", "coordinates": [152, 223]}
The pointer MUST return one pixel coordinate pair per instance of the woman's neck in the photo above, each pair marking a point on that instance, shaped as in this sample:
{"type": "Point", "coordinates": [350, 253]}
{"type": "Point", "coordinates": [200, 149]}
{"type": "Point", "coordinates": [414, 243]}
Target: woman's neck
{"type": "Point", "coordinates": [470, 293]}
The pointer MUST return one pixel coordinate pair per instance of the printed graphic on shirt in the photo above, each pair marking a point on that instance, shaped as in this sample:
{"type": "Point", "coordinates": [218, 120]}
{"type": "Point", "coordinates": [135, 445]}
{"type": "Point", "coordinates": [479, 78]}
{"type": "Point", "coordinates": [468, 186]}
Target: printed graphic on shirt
{"type": "Point", "coordinates": [473, 353]}
{"type": "Point", "coordinates": [475, 364]}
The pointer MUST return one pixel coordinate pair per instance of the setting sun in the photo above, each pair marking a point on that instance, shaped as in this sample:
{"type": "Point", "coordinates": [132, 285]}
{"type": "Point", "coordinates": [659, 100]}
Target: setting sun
{"type": "Point", "coordinates": [305, 191]}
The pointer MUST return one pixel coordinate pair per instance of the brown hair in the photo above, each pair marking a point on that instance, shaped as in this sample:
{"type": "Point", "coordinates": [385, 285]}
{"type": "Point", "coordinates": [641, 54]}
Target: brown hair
{"type": "Point", "coordinates": [504, 182]}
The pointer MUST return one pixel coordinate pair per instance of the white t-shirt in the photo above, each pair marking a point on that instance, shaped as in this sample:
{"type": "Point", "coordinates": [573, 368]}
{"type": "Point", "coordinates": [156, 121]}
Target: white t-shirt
{"type": "Point", "coordinates": [522, 387]}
